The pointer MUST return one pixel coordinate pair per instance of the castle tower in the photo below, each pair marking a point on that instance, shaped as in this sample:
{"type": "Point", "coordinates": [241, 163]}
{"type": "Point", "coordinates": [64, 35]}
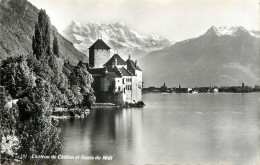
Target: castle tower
{"type": "Point", "coordinates": [99, 54]}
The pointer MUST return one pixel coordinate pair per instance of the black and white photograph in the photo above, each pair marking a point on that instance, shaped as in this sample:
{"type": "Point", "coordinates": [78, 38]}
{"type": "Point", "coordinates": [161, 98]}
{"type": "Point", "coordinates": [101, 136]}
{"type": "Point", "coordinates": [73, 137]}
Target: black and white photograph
{"type": "Point", "coordinates": [130, 82]}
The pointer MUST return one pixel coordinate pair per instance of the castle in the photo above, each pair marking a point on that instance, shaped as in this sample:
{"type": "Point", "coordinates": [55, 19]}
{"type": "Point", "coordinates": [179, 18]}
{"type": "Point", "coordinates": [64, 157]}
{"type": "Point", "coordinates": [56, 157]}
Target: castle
{"type": "Point", "coordinates": [114, 76]}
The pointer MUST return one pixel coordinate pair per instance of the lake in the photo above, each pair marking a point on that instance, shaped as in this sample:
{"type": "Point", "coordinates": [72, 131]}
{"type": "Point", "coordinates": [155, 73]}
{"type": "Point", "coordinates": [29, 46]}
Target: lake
{"type": "Point", "coordinates": [170, 129]}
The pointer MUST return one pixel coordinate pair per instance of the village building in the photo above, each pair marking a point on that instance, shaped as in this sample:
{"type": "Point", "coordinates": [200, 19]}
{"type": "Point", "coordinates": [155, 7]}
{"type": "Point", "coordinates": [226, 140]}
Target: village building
{"type": "Point", "coordinates": [164, 88]}
{"type": "Point", "coordinates": [115, 79]}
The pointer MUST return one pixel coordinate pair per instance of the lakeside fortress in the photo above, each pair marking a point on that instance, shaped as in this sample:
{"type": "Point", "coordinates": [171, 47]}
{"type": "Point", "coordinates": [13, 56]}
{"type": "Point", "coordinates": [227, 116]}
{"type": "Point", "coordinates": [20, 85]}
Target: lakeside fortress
{"type": "Point", "coordinates": [115, 80]}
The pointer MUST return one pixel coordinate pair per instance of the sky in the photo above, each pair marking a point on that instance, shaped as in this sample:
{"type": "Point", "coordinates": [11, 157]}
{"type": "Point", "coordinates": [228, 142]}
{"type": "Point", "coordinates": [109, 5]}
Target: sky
{"type": "Point", "coordinates": [173, 19]}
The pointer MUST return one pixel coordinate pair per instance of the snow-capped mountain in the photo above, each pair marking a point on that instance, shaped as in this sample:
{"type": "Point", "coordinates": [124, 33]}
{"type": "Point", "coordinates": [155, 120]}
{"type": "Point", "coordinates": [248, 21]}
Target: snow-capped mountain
{"type": "Point", "coordinates": [118, 36]}
{"type": "Point", "coordinates": [221, 56]}
{"type": "Point", "coordinates": [232, 31]}
{"type": "Point", "coordinates": [255, 34]}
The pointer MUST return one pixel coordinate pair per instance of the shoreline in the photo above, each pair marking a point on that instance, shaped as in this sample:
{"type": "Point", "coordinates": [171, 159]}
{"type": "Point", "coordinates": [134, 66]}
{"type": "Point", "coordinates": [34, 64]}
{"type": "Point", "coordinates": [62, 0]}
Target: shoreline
{"type": "Point", "coordinates": [77, 113]}
{"type": "Point", "coordinates": [201, 93]}
{"type": "Point", "coordinates": [70, 114]}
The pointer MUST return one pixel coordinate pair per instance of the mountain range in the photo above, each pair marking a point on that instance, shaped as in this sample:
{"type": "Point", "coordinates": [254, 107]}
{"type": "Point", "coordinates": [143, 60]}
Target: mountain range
{"type": "Point", "coordinates": [222, 56]}
{"type": "Point", "coordinates": [118, 36]}
{"type": "Point", "coordinates": [17, 22]}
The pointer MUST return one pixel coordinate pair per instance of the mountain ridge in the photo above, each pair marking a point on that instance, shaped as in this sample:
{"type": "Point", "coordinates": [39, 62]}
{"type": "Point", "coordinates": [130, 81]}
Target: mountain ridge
{"type": "Point", "coordinates": [117, 35]}
{"type": "Point", "coordinates": [18, 18]}
{"type": "Point", "coordinates": [214, 58]}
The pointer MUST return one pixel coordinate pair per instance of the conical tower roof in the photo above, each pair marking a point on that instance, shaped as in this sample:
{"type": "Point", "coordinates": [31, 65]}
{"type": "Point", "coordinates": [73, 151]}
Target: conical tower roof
{"type": "Point", "coordinates": [99, 44]}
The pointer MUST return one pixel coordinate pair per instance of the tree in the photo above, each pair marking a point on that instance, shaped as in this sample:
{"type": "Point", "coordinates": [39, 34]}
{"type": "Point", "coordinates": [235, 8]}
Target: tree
{"type": "Point", "coordinates": [32, 82]}
{"type": "Point", "coordinates": [111, 87]}
{"type": "Point", "coordinates": [9, 115]}
{"type": "Point", "coordinates": [55, 46]}
{"type": "Point", "coordinates": [18, 6]}
{"type": "Point", "coordinates": [41, 39]}
{"type": "Point", "coordinates": [16, 76]}
{"type": "Point", "coordinates": [38, 134]}
{"type": "Point", "coordinates": [80, 81]}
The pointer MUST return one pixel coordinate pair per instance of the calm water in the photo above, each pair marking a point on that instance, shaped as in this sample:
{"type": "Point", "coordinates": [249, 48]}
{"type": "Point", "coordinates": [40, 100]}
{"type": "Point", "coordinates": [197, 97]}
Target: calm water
{"type": "Point", "coordinates": [171, 129]}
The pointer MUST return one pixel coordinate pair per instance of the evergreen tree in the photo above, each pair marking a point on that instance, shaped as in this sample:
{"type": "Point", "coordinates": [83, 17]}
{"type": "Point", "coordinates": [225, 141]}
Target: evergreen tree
{"type": "Point", "coordinates": [41, 39]}
{"type": "Point", "coordinates": [56, 46]}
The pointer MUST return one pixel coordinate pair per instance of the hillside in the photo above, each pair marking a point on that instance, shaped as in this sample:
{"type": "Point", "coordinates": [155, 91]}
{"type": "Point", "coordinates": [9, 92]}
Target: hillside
{"type": "Point", "coordinates": [18, 18]}
{"type": "Point", "coordinates": [221, 56]}
{"type": "Point", "coordinates": [118, 36]}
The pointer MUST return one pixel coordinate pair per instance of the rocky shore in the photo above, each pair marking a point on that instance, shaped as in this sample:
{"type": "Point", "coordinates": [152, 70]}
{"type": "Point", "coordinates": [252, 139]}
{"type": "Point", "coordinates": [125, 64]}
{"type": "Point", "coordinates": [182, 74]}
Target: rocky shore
{"type": "Point", "coordinates": [74, 113]}
{"type": "Point", "coordinates": [64, 113]}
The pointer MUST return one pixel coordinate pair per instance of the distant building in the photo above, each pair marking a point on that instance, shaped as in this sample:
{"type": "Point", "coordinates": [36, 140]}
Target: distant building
{"type": "Point", "coordinates": [189, 90]}
{"type": "Point", "coordinates": [204, 89]}
{"type": "Point", "coordinates": [243, 87]}
{"type": "Point", "coordinates": [184, 90]}
{"type": "Point", "coordinates": [215, 90]}
{"type": "Point", "coordinates": [257, 87]}
{"type": "Point", "coordinates": [151, 89]}
{"type": "Point", "coordinates": [164, 88]}
{"type": "Point", "coordinates": [114, 75]}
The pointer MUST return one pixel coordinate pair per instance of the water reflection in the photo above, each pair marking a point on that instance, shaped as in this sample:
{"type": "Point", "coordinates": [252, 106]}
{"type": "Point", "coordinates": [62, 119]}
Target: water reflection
{"type": "Point", "coordinates": [183, 128]}
{"type": "Point", "coordinates": [116, 133]}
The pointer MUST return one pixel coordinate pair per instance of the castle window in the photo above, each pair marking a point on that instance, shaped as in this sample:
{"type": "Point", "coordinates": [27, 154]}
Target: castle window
{"type": "Point", "coordinates": [130, 87]}
{"type": "Point", "coordinates": [119, 88]}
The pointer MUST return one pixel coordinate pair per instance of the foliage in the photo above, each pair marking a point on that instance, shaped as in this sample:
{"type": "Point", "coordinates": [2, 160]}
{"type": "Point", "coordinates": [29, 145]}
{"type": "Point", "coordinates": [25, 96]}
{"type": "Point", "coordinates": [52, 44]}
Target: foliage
{"type": "Point", "coordinates": [16, 76]}
{"type": "Point", "coordinates": [56, 46]}
{"type": "Point", "coordinates": [41, 82]}
{"type": "Point", "coordinates": [41, 140]}
{"type": "Point", "coordinates": [18, 6]}
{"type": "Point", "coordinates": [38, 134]}
{"type": "Point", "coordinates": [111, 87]}
{"type": "Point", "coordinates": [81, 77]}
{"type": "Point", "coordinates": [8, 120]}
{"type": "Point", "coordinates": [37, 102]}
{"type": "Point", "coordinates": [41, 44]}
{"type": "Point", "coordinates": [9, 145]}
{"type": "Point", "coordinates": [79, 81]}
